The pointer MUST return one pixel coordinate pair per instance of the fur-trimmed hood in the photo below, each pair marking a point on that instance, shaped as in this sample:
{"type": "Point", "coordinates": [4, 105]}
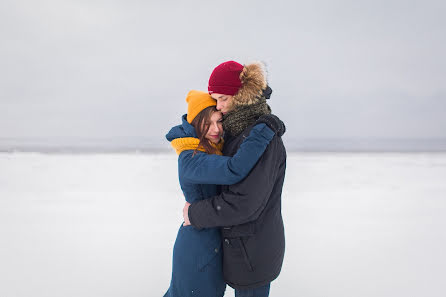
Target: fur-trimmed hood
{"type": "Point", "coordinates": [253, 79]}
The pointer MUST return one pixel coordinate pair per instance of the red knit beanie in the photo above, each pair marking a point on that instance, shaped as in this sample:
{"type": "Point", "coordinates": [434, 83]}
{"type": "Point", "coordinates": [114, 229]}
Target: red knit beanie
{"type": "Point", "coordinates": [225, 79]}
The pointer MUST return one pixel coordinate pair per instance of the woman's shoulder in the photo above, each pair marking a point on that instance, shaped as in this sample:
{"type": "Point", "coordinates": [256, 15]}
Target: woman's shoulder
{"type": "Point", "coordinates": [191, 160]}
{"type": "Point", "coordinates": [189, 155]}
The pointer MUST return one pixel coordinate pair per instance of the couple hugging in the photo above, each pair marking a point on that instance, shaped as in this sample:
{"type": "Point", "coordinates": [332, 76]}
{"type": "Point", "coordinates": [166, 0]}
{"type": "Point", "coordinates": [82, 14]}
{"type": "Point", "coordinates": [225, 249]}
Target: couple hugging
{"type": "Point", "coordinates": [231, 166]}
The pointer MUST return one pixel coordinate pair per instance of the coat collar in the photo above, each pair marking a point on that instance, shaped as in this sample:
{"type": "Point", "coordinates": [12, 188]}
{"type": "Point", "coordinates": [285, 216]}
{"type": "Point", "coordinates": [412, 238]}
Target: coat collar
{"type": "Point", "coordinates": [181, 131]}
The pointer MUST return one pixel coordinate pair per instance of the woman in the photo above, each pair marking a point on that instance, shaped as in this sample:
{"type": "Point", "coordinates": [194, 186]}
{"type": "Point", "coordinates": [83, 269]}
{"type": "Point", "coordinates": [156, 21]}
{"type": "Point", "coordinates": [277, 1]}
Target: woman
{"type": "Point", "coordinates": [197, 259]}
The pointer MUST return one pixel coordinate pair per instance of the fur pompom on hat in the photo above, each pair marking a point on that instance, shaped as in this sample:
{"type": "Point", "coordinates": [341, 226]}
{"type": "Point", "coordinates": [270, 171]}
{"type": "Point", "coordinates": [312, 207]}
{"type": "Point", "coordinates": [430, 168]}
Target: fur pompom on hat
{"type": "Point", "coordinates": [196, 102]}
{"type": "Point", "coordinates": [246, 83]}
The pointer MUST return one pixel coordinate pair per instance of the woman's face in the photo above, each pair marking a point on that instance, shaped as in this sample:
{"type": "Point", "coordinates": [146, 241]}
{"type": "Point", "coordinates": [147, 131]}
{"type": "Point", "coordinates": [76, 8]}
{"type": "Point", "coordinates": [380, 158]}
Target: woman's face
{"type": "Point", "coordinates": [215, 128]}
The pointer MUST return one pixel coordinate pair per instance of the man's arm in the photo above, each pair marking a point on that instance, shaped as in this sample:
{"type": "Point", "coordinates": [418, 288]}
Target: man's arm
{"type": "Point", "coordinates": [243, 202]}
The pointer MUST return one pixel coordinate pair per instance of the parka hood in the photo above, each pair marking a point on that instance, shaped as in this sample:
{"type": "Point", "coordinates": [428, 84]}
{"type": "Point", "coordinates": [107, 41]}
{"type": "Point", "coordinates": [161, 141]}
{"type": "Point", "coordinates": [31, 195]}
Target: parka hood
{"type": "Point", "coordinates": [254, 82]}
{"type": "Point", "coordinates": [181, 131]}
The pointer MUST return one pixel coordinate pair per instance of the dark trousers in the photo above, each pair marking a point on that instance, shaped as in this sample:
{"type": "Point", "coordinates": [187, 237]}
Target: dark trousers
{"type": "Point", "coordinates": [257, 292]}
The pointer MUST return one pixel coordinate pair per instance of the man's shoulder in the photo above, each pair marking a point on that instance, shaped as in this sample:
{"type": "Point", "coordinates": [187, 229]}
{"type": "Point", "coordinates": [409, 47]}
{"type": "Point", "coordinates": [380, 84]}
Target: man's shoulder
{"type": "Point", "coordinates": [232, 143]}
{"type": "Point", "coordinates": [276, 147]}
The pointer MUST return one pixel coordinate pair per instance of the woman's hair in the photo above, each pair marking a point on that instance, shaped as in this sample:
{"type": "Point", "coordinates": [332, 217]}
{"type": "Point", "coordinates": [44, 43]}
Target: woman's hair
{"type": "Point", "coordinates": [201, 125]}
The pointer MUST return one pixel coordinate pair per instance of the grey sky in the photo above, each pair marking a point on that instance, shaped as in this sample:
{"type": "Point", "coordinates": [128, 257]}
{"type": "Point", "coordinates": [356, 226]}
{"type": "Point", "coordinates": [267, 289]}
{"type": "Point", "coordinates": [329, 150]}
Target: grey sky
{"type": "Point", "coordinates": [122, 69]}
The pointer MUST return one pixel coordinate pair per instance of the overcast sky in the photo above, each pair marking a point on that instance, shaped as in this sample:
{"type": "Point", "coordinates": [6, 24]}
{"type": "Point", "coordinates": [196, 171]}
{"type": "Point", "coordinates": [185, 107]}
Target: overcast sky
{"type": "Point", "coordinates": [121, 69]}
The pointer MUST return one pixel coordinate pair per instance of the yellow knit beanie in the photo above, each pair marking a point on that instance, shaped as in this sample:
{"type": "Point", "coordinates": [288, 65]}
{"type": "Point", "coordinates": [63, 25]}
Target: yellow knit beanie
{"type": "Point", "coordinates": [197, 101]}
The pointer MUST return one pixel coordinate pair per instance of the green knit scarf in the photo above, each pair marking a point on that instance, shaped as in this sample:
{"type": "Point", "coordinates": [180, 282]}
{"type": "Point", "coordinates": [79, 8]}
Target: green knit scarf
{"type": "Point", "coordinates": [242, 116]}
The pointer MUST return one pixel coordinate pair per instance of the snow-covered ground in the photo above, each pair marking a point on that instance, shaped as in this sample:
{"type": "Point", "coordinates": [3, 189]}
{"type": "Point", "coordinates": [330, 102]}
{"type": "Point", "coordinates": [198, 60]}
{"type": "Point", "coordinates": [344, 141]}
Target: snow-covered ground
{"type": "Point", "coordinates": [103, 225]}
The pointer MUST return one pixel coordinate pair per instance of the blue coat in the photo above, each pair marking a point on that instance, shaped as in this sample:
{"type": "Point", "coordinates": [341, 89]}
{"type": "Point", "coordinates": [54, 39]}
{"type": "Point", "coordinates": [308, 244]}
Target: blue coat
{"type": "Point", "coordinates": [197, 258]}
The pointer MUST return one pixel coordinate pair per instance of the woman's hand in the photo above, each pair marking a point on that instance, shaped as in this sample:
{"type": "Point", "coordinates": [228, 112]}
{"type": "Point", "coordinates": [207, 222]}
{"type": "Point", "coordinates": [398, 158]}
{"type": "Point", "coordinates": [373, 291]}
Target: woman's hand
{"type": "Point", "coordinates": [185, 214]}
{"type": "Point", "coordinates": [273, 122]}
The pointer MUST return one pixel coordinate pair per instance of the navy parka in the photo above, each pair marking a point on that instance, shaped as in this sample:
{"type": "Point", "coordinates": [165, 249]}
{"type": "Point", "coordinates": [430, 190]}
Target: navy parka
{"type": "Point", "coordinates": [197, 258]}
{"type": "Point", "coordinates": [251, 215]}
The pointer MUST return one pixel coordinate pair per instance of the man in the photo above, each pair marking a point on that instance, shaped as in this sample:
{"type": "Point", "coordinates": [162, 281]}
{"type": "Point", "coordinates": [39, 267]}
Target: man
{"type": "Point", "coordinates": [248, 212]}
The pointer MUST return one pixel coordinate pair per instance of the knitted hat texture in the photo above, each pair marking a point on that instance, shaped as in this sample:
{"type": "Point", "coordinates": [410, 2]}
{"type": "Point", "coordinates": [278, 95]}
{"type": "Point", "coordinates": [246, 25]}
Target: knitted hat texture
{"type": "Point", "coordinates": [225, 79]}
{"type": "Point", "coordinates": [196, 102]}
